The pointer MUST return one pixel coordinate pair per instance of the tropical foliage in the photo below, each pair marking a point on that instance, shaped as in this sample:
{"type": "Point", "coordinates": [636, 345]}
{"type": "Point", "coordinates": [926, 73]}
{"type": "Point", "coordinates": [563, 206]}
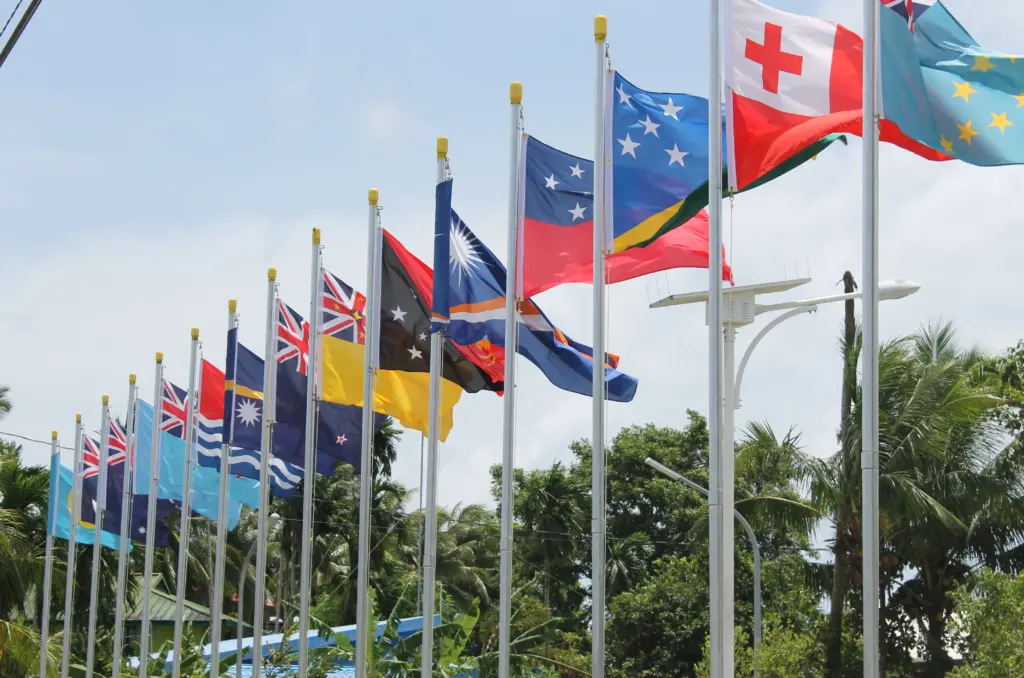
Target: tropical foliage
{"type": "Point", "coordinates": [951, 463]}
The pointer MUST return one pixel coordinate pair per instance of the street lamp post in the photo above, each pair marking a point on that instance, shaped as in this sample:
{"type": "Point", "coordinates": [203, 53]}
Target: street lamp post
{"type": "Point", "coordinates": [274, 519]}
{"type": "Point", "coordinates": [754, 546]}
{"type": "Point", "coordinates": [740, 308]}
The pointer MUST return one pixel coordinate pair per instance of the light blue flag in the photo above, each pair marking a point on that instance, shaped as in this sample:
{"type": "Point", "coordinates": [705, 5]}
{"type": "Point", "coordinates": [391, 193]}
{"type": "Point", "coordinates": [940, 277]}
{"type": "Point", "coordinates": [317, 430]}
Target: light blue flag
{"type": "Point", "coordinates": [205, 481]}
{"type": "Point", "coordinates": [61, 478]}
{"type": "Point", "coordinates": [945, 90]}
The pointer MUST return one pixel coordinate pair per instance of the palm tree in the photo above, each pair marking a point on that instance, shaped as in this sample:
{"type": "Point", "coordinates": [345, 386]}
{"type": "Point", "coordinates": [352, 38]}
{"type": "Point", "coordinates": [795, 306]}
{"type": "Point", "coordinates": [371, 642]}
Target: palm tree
{"type": "Point", "coordinates": [467, 548]}
{"type": "Point", "coordinates": [5, 401]}
{"type": "Point", "coordinates": [23, 499]}
{"type": "Point", "coordinates": [549, 510]}
{"type": "Point", "coordinates": [627, 559]}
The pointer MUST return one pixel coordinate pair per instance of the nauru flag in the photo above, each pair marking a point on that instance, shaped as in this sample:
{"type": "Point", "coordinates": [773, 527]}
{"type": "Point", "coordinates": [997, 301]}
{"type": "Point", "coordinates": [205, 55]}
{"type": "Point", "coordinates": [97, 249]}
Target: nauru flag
{"type": "Point", "coordinates": [792, 80]}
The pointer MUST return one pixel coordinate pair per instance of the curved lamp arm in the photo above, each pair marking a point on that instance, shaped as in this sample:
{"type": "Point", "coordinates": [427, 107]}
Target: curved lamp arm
{"type": "Point", "coordinates": [757, 339]}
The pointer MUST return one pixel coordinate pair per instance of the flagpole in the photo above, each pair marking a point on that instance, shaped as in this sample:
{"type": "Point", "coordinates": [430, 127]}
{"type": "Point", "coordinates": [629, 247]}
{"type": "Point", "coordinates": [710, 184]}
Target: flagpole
{"type": "Point", "coordinates": [217, 613]}
{"type": "Point", "coordinates": [366, 449]}
{"type": "Point", "coordinates": [69, 581]}
{"type": "Point", "coordinates": [508, 453]}
{"type": "Point", "coordinates": [597, 520]}
{"type": "Point", "coordinates": [126, 513]}
{"type": "Point", "coordinates": [186, 505]}
{"type": "Point", "coordinates": [309, 476]}
{"type": "Point", "coordinates": [269, 388]}
{"type": "Point", "coordinates": [97, 544]}
{"type": "Point", "coordinates": [154, 486]}
{"type": "Point", "coordinates": [434, 413]}
{"type": "Point", "coordinates": [869, 352]}
{"type": "Point", "coordinates": [721, 551]}
{"type": "Point", "coordinates": [44, 627]}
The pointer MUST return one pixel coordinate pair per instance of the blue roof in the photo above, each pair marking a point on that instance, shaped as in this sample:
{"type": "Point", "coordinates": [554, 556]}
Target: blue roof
{"type": "Point", "coordinates": [228, 648]}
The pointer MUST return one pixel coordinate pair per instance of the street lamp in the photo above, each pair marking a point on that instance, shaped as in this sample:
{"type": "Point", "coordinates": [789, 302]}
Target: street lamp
{"type": "Point", "coordinates": [754, 546]}
{"type": "Point", "coordinates": [740, 308]}
{"type": "Point", "coordinates": [274, 520]}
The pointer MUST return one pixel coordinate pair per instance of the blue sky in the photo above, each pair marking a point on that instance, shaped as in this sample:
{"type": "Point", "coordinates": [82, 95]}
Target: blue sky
{"type": "Point", "coordinates": [158, 158]}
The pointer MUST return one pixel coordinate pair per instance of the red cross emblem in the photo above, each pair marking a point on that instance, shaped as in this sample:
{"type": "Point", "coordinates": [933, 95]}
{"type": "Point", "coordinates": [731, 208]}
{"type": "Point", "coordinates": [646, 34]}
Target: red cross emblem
{"type": "Point", "coordinates": [772, 59]}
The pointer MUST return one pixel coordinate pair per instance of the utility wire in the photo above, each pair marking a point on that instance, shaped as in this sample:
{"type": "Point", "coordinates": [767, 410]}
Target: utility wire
{"type": "Point", "coordinates": [18, 30]}
{"type": "Point", "coordinates": [10, 18]}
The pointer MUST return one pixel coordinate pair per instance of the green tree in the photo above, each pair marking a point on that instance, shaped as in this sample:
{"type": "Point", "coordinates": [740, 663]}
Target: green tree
{"type": "Point", "coordinates": [989, 626]}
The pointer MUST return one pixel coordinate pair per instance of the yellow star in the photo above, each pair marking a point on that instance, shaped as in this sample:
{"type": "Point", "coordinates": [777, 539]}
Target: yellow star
{"type": "Point", "coordinates": [946, 144]}
{"type": "Point", "coordinates": [964, 91]}
{"type": "Point", "coordinates": [1000, 121]}
{"type": "Point", "coordinates": [1020, 100]}
{"type": "Point", "coordinates": [967, 133]}
{"type": "Point", "coordinates": [1012, 58]}
{"type": "Point", "coordinates": [982, 63]}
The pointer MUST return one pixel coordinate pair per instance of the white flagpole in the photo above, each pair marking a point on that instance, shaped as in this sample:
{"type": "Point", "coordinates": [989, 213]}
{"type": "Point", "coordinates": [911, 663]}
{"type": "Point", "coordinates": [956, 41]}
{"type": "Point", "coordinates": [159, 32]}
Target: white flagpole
{"type": "Point", "coordinates": [126, 514]}
{"type": "Point", "coordinates": [721, 550]}
{"type": "Point", "coordinates": [309, 475]}
{"type": "Point", "coordinates": [269, 389]}
{"type": "Point", "coordinates": [154, 484]}
{"type": "Point", "coordinates": [186, 504]}
{"type": "Point", "coordinates": [44, 627]}
{"type": "Point", "coordinates": [597, 520]}
{"type": "Point", "coordinates": [434, 414]}
{"type": "Point", "coordinates": [366, 451]}
{"type": "Point", "coordinates": [508, 453]}
{"type": "Point", "coordinates": [69, 582]}
{"type": "Point", "coordinates": [217, 613]}
{"type": "Point", "coordinates": [869, 351]}
{"type": "Point", "coordinates": [97, 544]}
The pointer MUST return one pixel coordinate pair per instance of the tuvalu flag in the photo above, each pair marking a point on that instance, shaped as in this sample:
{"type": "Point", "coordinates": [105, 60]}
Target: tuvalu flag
{"type": "Point", "coordinates": [403, 376]}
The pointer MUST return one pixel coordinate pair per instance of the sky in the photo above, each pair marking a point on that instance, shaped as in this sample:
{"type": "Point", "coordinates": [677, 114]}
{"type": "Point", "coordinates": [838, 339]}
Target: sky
{"type": "Point", "coordinates": [157, 159]}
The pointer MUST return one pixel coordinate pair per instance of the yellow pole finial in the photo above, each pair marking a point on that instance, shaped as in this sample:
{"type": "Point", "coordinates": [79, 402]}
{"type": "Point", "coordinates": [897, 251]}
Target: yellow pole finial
{"type": "Point", "coordinates": [515, 92]}
{"type": "Point", "coordinates": [442, 147]}
{"type": "Point", "coordinates": [316, 235]}
{"type": "Point", "coordinates": [600, 28]}
{"type": "Point", "coordinates": [232, 305]}
{"type": "Point", "coordinates": [105, 399]}
{"type": "Point", "coordinates": [159, 357]}
{"type": "Point", "coordinates": [374, 196]}
{"type": "Point", "coordinates": [53, 435]}
{"type": "Point", "coordinates": [131, 378]}
{"type": "Point", "coordinates": [195, 333]}
{"type": "Point", "coordinates": [78, 418]}
{"type": "Point", "coordinates": [271, 273]}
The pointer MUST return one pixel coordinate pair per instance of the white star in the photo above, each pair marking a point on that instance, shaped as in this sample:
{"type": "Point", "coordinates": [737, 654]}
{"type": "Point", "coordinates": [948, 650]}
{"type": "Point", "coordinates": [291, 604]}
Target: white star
{"type": "Point", "coordinates": [623, 97]}
{"type": "Point", "coordinates": [142, 530]}
{"type": "Point", "coordinates": [423, 336]}
{"type": "Point", "coordinates": [628, 146]}
{"type": "Point", "coordinates": [399, 314]}
{"type": "Point", "coordinates": [550, 182]}
{"type": "Point", "coordinates": [415, 353]}
{"type": "Point", "coordinates": [675, 155]}
{"type": "Point", "coordinates": [577, 171]}
{"type": "Point", "coordinates": [248, 413]}
{"type": "Point", "coordinates": [577, 213]}
{"type": "Point", "coordinates": [340, 440]}
{"type": "Point", "coordinates": [671, 109]}
{"type": "Point", "coordinates": [650, 127]}
{"type": "Point", "coordinates": [462, 255]}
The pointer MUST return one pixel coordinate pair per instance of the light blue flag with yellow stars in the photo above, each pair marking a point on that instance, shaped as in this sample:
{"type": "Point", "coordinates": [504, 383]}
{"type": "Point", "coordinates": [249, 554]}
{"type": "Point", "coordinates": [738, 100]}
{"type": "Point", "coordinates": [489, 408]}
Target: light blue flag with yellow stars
{"type": "Point", "coordinates": [946, 91]}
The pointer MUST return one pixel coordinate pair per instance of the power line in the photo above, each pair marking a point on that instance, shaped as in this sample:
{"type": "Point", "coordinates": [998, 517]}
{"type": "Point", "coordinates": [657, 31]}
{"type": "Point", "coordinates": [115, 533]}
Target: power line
{"type": "Point", "coordinates": [34, 440]}
{"type": "Point", "coordinates": [10, 18]}
{"type": "Point", "coordinates": [18, 30]}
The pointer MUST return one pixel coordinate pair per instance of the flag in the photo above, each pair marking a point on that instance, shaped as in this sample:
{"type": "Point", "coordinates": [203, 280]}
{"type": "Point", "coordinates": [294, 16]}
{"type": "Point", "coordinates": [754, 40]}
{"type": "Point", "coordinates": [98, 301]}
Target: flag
{"type": "Point", "coordinates": [908, 10]}
{"type": "Point", "coordinates": [243, 413]}
{"type": "Point", "coordinates": [90, 471]}
{"type": "Point", "coordinates": [241, 462]}
{"type": "Point", "coordinates": [403, 378]}
{"type": "Point", "coordinates": [205, 481]}
{"type": "Point", "coordinates": [343, 310]}
{"type": "Point", "coordinates": [557, 237]}
{"type": "Point", "coordinates": [792, 80]}
{"type": "Point", "coordinates": [61, 479]}
{"type": "Point", "coordinates": [948, 92]}
{"type": "Point", "coordinates": [475, 280]}
{"type": "Point", "coordinates": [339, 427]}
